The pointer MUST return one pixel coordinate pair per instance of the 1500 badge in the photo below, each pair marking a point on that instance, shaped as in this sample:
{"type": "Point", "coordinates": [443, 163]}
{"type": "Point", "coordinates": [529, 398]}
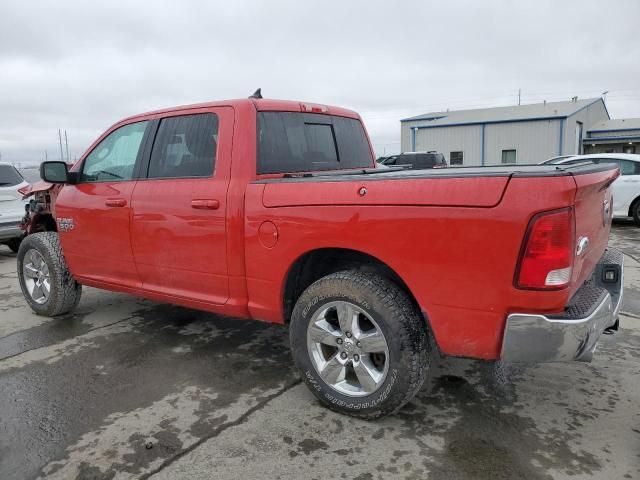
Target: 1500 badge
{"type": "Point", "coordinates": [65, 224]}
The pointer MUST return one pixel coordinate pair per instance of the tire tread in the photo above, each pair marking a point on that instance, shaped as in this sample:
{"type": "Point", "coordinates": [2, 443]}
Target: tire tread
{"type": "Point", "coordinates": [410, 328]}
{"type": "Point", "coordinates": [65, 292]}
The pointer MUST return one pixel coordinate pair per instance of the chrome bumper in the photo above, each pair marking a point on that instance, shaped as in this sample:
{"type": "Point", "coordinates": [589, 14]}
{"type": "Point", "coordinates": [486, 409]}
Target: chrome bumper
{"type": "Point", "coordinates": [573, 334]}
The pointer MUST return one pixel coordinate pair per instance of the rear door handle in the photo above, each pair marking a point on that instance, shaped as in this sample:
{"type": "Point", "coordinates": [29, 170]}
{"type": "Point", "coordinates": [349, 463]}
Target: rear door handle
{"type": "Point", "coordinates": [115, 202]}
{"type": "Point", "coordinates": [205, 204]}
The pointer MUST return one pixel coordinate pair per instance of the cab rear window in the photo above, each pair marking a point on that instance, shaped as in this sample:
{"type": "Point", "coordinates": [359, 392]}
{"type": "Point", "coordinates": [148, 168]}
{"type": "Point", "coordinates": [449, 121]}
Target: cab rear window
{"type": "Point", "coordinates": [305, 142]}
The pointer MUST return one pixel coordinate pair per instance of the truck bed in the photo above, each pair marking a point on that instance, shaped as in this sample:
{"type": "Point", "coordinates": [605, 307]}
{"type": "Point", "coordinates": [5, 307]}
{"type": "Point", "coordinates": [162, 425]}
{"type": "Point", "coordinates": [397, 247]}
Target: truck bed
{"type": "Point", "coordinates": [451, 172]}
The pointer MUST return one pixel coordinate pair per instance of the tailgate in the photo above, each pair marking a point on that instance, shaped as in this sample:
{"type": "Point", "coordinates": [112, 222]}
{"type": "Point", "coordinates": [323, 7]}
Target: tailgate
{"type": "Point", "coordinates": [593, 212]}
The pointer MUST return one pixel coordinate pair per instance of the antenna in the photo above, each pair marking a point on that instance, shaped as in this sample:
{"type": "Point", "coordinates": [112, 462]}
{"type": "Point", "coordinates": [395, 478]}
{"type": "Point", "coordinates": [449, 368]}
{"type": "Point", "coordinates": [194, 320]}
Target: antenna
{"type": "Point", "coordinates": [66, 142]}
{"type": "Point", "coordinates": [60, 142]}
{"type": "Point", "coordinates": [257, 94]}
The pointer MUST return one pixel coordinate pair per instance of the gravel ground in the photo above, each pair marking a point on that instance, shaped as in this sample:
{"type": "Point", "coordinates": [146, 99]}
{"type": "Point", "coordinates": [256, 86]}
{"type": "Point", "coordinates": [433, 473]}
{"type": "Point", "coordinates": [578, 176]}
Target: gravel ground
{"type": "Point", "coordinates": [127, 388]}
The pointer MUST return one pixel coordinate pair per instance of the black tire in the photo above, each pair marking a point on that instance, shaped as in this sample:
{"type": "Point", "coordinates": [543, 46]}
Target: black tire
{"type": "Point", "coordinates": [395, 315]}
{"type": "Point", "coordinates": [14, 244]}
{"type": "Point", "coordinates": [635, 213]}
{"type": "Point", "coordinates": [64, 291]}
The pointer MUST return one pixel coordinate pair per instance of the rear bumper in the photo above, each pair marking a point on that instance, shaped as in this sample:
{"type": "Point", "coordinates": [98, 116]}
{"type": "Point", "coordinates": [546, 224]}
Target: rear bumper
{"type": "Point", "coordinates": [573, 334]}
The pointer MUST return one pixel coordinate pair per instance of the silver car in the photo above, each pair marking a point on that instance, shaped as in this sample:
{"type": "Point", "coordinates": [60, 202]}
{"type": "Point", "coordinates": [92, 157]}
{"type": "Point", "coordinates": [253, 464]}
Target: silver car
{"type": "Point", "coordinates": [12, 206]}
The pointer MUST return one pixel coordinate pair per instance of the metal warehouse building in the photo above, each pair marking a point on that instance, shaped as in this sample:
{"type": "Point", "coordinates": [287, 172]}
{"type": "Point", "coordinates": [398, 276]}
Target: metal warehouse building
{"type": "Point", "coordinates": [518, 134]}
{"type": "Point", "coordinates": [614, 136]}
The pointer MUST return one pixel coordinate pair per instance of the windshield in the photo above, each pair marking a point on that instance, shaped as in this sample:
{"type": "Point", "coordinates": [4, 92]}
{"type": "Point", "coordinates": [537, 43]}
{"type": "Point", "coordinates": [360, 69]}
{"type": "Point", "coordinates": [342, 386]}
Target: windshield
{"type": "Point", "coordinates": [9, 176]}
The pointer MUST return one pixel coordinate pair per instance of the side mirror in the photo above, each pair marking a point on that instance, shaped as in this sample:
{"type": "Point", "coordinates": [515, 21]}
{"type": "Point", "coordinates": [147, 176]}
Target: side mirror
{"type": "Point", "coordinates": [56, 172]}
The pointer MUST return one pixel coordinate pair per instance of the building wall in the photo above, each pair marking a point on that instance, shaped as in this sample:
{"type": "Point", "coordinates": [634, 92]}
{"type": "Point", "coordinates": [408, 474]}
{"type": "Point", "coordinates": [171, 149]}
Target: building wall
{"type": "Point", "coordinates": [589, 116]}
{"type": "Point", "coordinates": [533, 141]}
{"type": "Point", "coordinates": [466, 139]}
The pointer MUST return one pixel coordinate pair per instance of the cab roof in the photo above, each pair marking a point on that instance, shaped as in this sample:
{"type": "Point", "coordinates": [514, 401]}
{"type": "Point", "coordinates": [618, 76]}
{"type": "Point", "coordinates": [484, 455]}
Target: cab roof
{"type": "Point", "coordinates": [261, 105]}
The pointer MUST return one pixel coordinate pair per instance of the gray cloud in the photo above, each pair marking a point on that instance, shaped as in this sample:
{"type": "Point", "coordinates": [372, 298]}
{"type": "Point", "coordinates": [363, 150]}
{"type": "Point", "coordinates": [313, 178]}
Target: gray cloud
{"type": "Point", "coordinates": [81, 65]}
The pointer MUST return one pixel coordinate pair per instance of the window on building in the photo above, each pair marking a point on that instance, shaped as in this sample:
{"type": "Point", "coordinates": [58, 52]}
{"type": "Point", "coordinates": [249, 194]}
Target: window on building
{"type": "Point", "coordinates": [456, 158]}
{"type": "Point", "coordinates": [185, 146]}
{"type": "Point", "coordinates": [629, 149]}
{"type": "Point", "coordinates": [508, 156]}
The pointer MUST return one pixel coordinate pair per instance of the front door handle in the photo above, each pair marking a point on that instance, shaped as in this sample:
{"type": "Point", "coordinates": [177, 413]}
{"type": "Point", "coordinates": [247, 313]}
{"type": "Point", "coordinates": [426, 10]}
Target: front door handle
{"type": "Point", "coordinates": [205, 204]}
{"type": "Point", "coordinates": [115, 202]}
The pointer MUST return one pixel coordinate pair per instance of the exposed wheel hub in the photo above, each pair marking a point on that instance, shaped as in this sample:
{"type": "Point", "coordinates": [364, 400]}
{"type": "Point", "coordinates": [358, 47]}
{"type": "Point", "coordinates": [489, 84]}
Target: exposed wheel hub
{"type": "Point", "coordinates": [36, 276]}
{"type": "Point", "coordinates": [348, 349]}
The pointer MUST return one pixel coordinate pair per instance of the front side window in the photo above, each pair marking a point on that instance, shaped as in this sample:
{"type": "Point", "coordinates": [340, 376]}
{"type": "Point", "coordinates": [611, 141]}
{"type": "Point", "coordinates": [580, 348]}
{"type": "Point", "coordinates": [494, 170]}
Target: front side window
{"type": "Point", "coordinates": [306, 142]}
{"type": "Point", "coordinates": [456, 158]}
{"type": "Point", "coordinates": [114, 159]}
{"type": "Point", "coordinates": [185, 147]}
{"type": "Point", "coordinates": [9, 176]}
{"type": "Point", "coordinates": [508, 156]}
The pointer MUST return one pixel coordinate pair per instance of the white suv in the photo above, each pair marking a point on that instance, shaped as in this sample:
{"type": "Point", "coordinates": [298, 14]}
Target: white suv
{"type": "Point", "coordinates": [12, 206]}
{"type": "Point", "coordinates": [626, 189]}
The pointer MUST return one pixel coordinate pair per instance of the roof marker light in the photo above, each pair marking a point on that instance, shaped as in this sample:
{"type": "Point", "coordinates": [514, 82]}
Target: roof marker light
{"type": "Point", "coordinates": [313, 108]}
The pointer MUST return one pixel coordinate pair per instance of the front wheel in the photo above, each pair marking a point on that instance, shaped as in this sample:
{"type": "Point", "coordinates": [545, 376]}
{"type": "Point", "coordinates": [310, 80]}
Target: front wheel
{"type": "Point", "coordinates": [359, 343]}
{"type": "Point", "coordinates": [46, 283]}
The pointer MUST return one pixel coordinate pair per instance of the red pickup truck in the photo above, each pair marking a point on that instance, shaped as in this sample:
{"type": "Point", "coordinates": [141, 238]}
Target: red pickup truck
{"type": "Point", "coordinates": [274, 210]}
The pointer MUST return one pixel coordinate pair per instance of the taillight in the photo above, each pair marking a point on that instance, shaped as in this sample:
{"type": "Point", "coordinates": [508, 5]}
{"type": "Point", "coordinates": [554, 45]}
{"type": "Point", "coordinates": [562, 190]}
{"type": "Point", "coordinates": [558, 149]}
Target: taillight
{"type": "Point", "coordinates": [546, 257]}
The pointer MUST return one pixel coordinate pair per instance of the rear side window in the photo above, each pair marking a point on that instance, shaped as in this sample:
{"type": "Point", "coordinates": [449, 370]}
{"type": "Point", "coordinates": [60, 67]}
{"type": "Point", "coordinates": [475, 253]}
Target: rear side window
{"type": "Point", "coordinates": [305, 142]}
{"type": "Point", "coordinates": [429, 160]}
{"type": "Point", "coordinates": [421, 160]}
{"type": "Point", "coordinates": [9, 176]}
{"type": "Point", "coordinates": [627, 167]}
{"type": "Point", "coordinates": [185, 146]}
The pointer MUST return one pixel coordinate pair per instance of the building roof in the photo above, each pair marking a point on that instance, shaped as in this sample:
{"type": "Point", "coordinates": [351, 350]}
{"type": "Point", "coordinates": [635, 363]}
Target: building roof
{"type": "Point", "coordinates": [534, 111]}
{"type": "Point", "coordinates": [617, 124]}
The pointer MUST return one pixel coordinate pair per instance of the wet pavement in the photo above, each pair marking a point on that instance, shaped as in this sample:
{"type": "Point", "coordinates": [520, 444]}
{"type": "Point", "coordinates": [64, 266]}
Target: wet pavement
{"type": "Point", "coordinates": [128, 388]}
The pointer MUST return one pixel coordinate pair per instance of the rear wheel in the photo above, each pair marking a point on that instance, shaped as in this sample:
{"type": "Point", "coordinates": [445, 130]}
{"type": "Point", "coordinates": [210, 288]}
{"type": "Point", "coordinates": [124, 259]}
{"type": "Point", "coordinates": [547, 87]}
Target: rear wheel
{"type": "Point", "coordinates": [359, 343]}
{"type": "Point", "coordinates": [635, 212]}
{"type": "Point", "coordinates": [45, 280]}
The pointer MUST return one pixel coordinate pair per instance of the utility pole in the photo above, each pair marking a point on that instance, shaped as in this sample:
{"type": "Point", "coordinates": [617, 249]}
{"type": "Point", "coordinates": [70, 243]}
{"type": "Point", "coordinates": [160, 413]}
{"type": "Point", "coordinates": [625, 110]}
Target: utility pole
{"type": "Point", "coordinates": [519, 92]}
{"type": "Point", "coordinates": [66, 142]}
{"type": "Point", "coordinates": [60, 142]}
{"type": "Point", "coordinates": [46, 157]}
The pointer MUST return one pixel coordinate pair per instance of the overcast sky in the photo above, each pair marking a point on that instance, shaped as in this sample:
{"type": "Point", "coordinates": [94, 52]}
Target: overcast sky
{"type": "Point", "coordinates": [82, 65]}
